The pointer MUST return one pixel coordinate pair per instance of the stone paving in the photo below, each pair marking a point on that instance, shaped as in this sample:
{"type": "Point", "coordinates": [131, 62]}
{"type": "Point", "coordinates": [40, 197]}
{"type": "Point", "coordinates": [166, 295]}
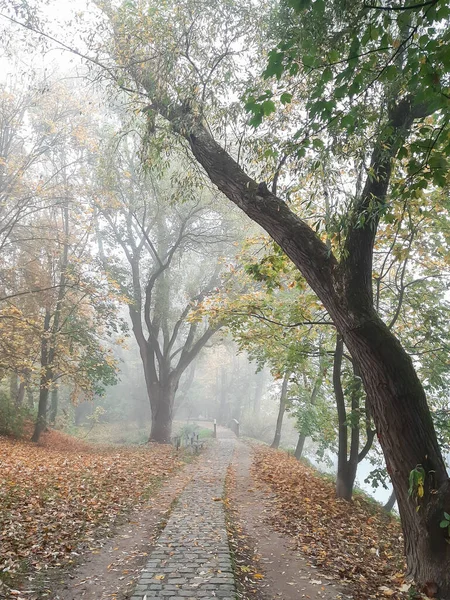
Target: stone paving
{"type": "Point", "coordinates": [191, 560]}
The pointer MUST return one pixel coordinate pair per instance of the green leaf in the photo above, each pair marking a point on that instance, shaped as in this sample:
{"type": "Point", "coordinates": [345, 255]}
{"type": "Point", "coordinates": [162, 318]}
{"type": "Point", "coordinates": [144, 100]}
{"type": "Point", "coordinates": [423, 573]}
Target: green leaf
{"type": "Point", "coordinates": [294, 69]}
{"type": "Point", "coordinates": [275, 66]}
{"type": "Point", "coordinates": [268, 107]}
{"type": "Point", "coordinates": [444, 524]}
{"type": "Point", "coordinates": [327, 75]}
{"type": "Point", "coordinates": [286, 98]}
{"type": "Point", "coordinates": [374, 33]}
{"type": "Point", "coordinates": [333, 56]}
{"type": "Point", "coordinates": [256, 120]}
{"type": "Point", "coordinates": [348, 121]}
{"type": "Point", "coordinates": [402, 153]}
{"type": "Point", "coordinates": [390, 73]}
{"type": "Point", "coordinates": [341, 92]}
{"type": "Point", "coordinates": [447, 516]}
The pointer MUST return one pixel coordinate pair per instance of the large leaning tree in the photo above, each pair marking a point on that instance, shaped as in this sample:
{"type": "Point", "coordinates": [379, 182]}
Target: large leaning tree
{"type": "Point", "coordinates": [367, 83]}
{"type": "Point", "coordinates": [377, 74]}
{"type": "Point", "coordinates": [173, 255]}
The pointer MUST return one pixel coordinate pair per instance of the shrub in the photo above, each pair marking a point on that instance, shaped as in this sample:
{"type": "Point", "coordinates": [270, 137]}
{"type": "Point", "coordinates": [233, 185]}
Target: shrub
{"type": "Point", "coordinates": [12, 417]}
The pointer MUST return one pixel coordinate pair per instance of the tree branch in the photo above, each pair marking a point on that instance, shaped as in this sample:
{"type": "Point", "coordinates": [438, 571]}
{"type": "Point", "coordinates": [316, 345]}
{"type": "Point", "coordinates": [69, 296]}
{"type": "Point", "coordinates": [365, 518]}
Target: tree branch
{"type": "Point", "coordinates": [400, 8]}
{"type": "Point", "coordinates": [365, 215]}
{"type": "Point", "coordinates": [287, 325]}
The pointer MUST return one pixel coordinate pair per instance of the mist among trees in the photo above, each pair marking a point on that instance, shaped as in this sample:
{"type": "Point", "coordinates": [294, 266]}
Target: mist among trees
{"type": "Point", "coordinates": [234, 211]}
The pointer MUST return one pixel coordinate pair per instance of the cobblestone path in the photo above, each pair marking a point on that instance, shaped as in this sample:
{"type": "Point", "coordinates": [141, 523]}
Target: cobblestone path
{"type": "Point", "coordinates": [191, 560]}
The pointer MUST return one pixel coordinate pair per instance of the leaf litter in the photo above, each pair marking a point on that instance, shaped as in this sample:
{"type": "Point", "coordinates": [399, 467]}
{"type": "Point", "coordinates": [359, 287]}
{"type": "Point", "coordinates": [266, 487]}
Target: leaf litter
{"type": "Point", "coordinates": [57, 498]}
{"type": "Point", "coordinates": [357, 543]}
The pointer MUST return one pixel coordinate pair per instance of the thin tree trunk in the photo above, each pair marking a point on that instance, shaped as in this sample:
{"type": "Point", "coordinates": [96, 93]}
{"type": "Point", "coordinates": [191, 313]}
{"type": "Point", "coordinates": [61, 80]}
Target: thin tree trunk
{"type": "Point", "coordinates": [300, 445]}
{"type": "Point", "coordinates": [348, 458]}
{"type": "Point", "coordinates": [29, 393]}
{"type": "Point", "coordinates": [13, 387]}
{"type": "Point", "coordinates": [20, 394]}
{"type": "Point", "coordinates": [344, 483]}
{"type": "Point", "coordinates": [281, 410]}
{"type": "Point", "coordinates": [259, 387]}
{"type": "Point", "coordinates": [390, 503]}
{"type": "Point", "coordinates": [53, 405]}
{"type": "Point", "coordinates": [48, 343]}
{"type": "Point", "coordinates": [312, 400]}
{"type": "Point", "coordinates": [45, 381]}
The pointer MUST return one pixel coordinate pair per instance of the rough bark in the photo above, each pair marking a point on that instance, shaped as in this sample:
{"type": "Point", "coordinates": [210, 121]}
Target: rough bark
{"type": "Point", "coordinates": [281, 411]}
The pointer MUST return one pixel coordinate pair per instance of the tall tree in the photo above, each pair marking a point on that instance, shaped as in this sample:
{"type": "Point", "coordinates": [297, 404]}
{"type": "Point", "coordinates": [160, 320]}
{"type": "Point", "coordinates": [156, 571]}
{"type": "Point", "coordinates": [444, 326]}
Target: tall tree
{"type": "Point", "coordinates": [54, 307]}
{"type": "Point", "coordinates": [169, 252]}
{"type": "Point", "coordinates": [341, 279]}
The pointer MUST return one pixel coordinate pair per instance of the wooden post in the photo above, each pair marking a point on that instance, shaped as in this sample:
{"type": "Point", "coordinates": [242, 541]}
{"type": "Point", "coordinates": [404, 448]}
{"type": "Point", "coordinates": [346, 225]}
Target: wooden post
{"type": "Point", "coordinates": [215, 429]}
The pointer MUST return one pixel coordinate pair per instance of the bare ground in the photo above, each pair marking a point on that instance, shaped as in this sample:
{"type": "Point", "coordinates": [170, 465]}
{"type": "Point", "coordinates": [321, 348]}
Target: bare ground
{"type": "Point", "coordinates": [278, 570]}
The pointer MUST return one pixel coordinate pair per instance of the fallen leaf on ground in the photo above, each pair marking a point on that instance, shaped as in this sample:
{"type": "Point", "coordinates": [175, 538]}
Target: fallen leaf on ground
{"type": "Point", "coordinates": [356, 542]}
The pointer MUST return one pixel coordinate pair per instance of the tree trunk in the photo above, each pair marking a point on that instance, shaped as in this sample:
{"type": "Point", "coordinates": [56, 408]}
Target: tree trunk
{"type": "Point", "coordinates": [347, 459]}
{"type": "Point", "coordinates": [300, 445]}
{"type": "Point", "coordinates": [53, 405]}
{"type": "Point", "coordinates": [45, 381]}
{"type": "Point", "coordinates": [407, 437]}
{"type": "Point", "coordinates": [162, 398]}
{"type": "Point", "coordinates": [347, 465]}
{"type": "Point", "coordinates": [345, 480]}
{"type": "Point", "coordinates": [20, 394]}
{"type": "Point", "coordinates": [48, 342]}
{"type": "Point", "coordinates": [13, 387]}
{"type": "Point", "coordinates": [281, 411]}
{"type": "Point", "coordinates": [41, 420]}
{"type": "Point", "coordinates": [259, 387]}
{"type": "Point", "coordinates": [30, 398]}
{"type": "Point", "coordinates": [390, 503]}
